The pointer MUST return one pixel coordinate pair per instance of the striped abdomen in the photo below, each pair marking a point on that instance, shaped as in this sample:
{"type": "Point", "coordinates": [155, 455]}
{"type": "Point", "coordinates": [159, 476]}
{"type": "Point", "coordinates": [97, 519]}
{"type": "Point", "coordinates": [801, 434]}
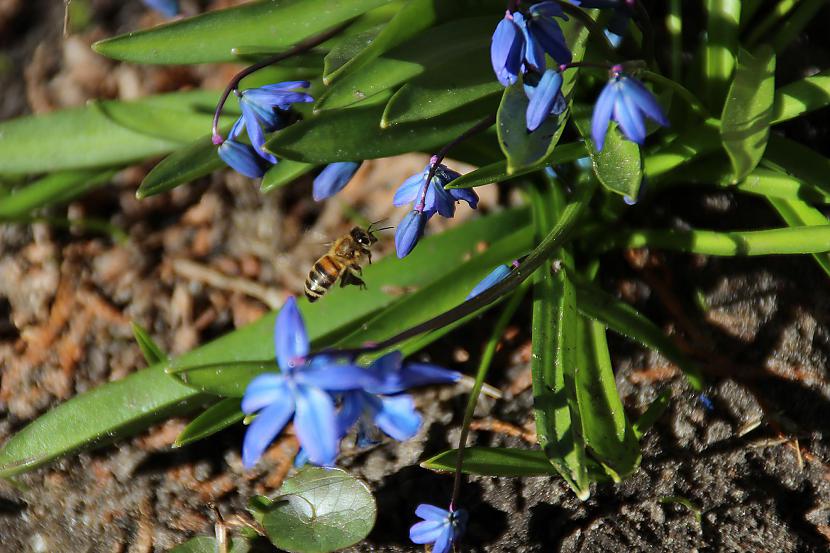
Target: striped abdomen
{"type": "Point", "coordinates": [322, 276]}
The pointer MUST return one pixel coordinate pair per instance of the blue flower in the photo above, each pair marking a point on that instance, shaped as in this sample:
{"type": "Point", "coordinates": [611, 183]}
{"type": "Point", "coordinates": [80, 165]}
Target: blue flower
{"type": "Point", "coordinates": [497, 275]}
{"type": "Point", "coordinates": [242, 158]}
{"type": "Point", "coordinates": [507, 50]}
{"type": "Point", "coordinates": [545, 99]}
{"type": "Point", "coordinates": [394, 415]}
{"type": "Point", "coordinates": [547, 34]}
{"type": "Point", "coordinates": [299, 390]}
{"type": "Point", "coordinates": [626, 101]}
{"type": "Point", "coordinates": [168, 8]}
{"type": "Point", "coordinates": [391, 375]}
{"type": "Point", "coordinates": [333, 179]}
{"type": "Point", "coordinates": [263, 110]}
{"type": "Point", "coordinates": [427, 200]}
{"type": "Point", "coordinates": [439, 527]}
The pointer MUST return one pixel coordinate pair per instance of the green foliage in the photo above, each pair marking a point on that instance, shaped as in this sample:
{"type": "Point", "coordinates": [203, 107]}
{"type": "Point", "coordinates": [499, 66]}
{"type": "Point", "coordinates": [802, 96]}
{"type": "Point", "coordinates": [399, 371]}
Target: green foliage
{"type": "Point", "coordinates": [320, 510]}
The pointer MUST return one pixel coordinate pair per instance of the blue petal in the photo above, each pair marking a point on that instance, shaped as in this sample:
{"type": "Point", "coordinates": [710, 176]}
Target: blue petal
{"type": "Point", "coordinates": [465, 195]}
{"type": "Point", "coordinates": [497, 275]}
{"type": "Point", "coordinates": [534, 53]}
{"type": "Point", "coordinates": [290, 338]}
{"type": "Point", "coordinates": [412, 375]}
{"type": "Point", "coordinates": [410, 190]}
{"type": "Point", "coordinates": [409, 231]}
{"type": "Point", "coordinates": [438, 199]}
{"type": "Point", "coordinates": [390, 363]}
{"type": "Point", "coordinates": [264, 429]}
{"type": "Point", "coordinates": [264, 390]}
{"type": "Point", "coordinates": [336, 377]}
{"type": "Point", "coordinates": [242, 158]}
{"type": "Point", "coordinates": [333, 179]}
{"type": "Point", "coordinates": [253, 127]}
{"type": "Point", "coordinates": [286, 85]}
{"type": "Point", "coordinates": [397, 416]}
{"type": "Point", "coordinates": [507, 51]}
{"type": "Point", "coordinates": [444, 541]}
{"type": "Point", "coordinates": [238, 125]}
{"type": "Point", "coordinates": [351, 408]}
{"type": "Point", "coordinates": [270, 99]}
{"type": "Point", "coordinates": [629, 118]}
{"type": "Point", "coordinates": [602, 114]}
{"type": "Point", "coordinates": [315, 422]}
{"type": "Point", "coordinates": [168, 8]}
{"type": "Point", "coordinates": [427, 531]}
{"type": "Point", "coordinates": [266, 117]}
{"type": "Point", "coordinates": [549, 35]}
{"type": "Point", "coordinates": [645, 100]}
{"type": "Point", "coordinates": [543, 99]}
{"type": "Point", "coordinates": [431, 512]}
{"type": "Point", "coordinates": [301, 458]}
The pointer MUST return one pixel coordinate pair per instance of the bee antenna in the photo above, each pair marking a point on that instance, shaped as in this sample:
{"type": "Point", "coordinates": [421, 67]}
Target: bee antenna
{"type": "Point", "coordinates": [384, 228]}
{"type": "Point", "coordinates": [375, 223]}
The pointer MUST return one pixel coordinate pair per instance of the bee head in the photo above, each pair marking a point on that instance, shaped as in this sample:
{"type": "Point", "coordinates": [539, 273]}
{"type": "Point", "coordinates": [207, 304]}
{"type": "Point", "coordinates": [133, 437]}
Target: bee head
{"type": "Point", "coordinates": [363, 237]}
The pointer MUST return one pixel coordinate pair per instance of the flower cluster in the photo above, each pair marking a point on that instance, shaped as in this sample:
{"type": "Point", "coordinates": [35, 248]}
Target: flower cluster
{"type": "Point", "coordinates": [309, 388]}
{"type": "Point", "coordinates": [264, 110]}
{"type": "Point", "coordinates": [427, 199]}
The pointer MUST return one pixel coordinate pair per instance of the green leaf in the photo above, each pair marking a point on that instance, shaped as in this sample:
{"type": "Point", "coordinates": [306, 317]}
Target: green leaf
{"type": "Point", "coordinates": [438, 50]}
{"type": "Point", "coordinates": [76, 138]}
{"type": "Point", "coordinates": [524, 149]}
{"type": "Point", "coordinates": [800, 161]}
{"type": "Point", "coordinates": [554, 354]}
{"type": "Point", "coordinates": [747, 113]}
{"type": "Point", "coordinates": [413, 18]}
{"type": "Point", "coordinates": [605, 428]}
{"type": "Point", "coordinates": [350, 134]}
{"type": "Point", "coordinates": [348, 48]}
{"type": "Point", "coordinates": [436, 93]}
{"type": "Point", "coordinates": [151, 395]}
{"type": "Point", "coordinates": [619, 166]}
{"type": "Point", "coordinates": [800, 97]}
{"type": "Point", "coordinates": [98, 417]}
{"type": "Point", "coordinates": [494, 461]}
{"type": "Point", "coordinates": [720, 48]}
{"type": "Point", "coordinates": [54, 189]}
{"type": "Point", "coordinates": [149, 348]}
{"type": "Point", "coordinates": [654, 411]}
{"type": "Point", "coordinates": [797, 213]}
{"type": "Point", "coordinates": [217, 417]}
{"type": "Point", "coordinates": [284, 172]}
{"type": "Point", "coordinates": [181, 116]}
{"type": "Point", "coordinates": [627, 321]}
{"type": "Point", "coordinates": [320, 510]}
{"type": "Point", "coordinates": [497, 172]}
{"type": "Point", "coordinates": [227, 379]}
{"type": "Point", "coordinates": [206, 544]}
{"type": "Point", "coordinates": [187, 164]}
{"type": "Point", "coordinates": [210, 37]}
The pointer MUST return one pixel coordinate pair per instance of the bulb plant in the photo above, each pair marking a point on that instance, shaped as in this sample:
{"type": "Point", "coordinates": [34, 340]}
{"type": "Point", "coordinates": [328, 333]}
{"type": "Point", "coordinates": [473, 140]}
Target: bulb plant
{"type": "Point", "coordinates": [575, 104]}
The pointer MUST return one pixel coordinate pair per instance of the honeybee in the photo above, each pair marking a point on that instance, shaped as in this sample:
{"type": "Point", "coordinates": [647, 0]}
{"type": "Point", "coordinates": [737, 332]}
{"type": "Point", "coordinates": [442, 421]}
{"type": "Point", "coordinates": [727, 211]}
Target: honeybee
{"type": "Point", "coordinates": [342, 261]}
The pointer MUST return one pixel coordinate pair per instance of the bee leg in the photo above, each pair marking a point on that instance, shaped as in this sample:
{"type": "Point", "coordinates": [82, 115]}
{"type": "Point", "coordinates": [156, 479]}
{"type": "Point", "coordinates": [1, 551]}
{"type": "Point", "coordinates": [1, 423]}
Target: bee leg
{"type": "Point", "coordinates": [369, 256]}
{"type": "Point", "coordinates": [354, 272]}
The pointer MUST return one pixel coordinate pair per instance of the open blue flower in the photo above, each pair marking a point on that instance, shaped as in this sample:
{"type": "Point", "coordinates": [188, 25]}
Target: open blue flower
{"type": "Point", "coordinates": [333, 179]}
{"type": "Point", "coordinates": [626, 101]}
{"type": "Point", "coordinates": [440, 527]}
{"type": "Point", "coordinates": [168, 8]}
{"type": "Point", "coordinates": [299, 390]}
{"type": "Point", "coordinates": [545, 99]}
{"type": "Point", "coordinates": [427, 200]}
{"type": "Point", "coordinates": [263, 110]}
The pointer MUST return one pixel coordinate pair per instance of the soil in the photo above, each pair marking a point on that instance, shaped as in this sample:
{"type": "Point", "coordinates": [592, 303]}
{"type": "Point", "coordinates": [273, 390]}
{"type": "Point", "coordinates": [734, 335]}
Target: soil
{"type": "Point", "coordinates": [741, 468]}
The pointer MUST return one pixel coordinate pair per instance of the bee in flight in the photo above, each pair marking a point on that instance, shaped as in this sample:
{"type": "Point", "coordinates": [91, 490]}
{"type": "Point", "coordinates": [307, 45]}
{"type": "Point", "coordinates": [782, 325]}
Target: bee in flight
{"type": "Point", "coordinates": [342, 261]}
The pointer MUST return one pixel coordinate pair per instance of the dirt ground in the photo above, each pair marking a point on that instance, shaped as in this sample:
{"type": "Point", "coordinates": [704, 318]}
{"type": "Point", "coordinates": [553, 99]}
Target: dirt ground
{"type": "Point", "coordinates": [751, 460]}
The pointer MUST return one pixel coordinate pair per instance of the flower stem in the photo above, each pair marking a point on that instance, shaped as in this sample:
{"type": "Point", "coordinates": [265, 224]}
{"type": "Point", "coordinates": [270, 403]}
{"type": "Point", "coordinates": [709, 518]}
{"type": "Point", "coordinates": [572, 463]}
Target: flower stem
{"type": "Point", "coordinates": [299, 48]}
{"type": "Point", "coordinates": [554, 240]}
{"type": "Point", "coordinates": [483, 367]}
